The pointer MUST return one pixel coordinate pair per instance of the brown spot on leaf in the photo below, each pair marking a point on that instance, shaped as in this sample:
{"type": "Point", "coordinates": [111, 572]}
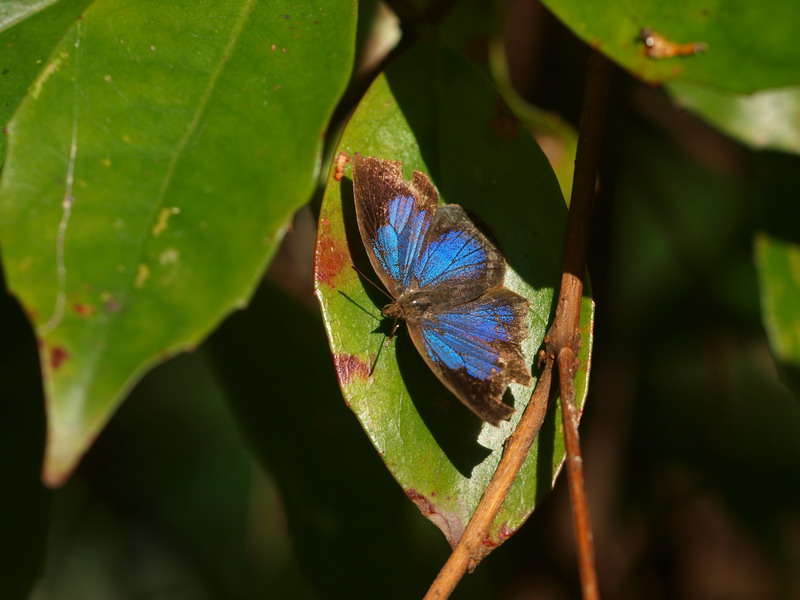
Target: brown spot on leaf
{"type": "Point", "coordinates": [332, 256]}
{"type": "Point", "coordinates": [423, 504]}
{"type": "Point", "coordinates": [503, 533]}
{"type": "Point", "coordinates": [58, 354]}
{"type": "Point", "coordinates": [348, 367]}
{"type": "Point", "coordinates": [452, 527]}
{"type": "Point", "coordinates": [83, 310]}
{"type": "Point", "coordinates": [112, 306]}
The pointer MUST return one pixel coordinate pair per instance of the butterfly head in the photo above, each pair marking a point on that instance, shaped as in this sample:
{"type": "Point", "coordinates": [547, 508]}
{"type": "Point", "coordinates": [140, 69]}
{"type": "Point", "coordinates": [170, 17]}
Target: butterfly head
{"type": "Point", "coordinates": [411, 306]}
{"type": "Point", "coordinates": [393, 310]}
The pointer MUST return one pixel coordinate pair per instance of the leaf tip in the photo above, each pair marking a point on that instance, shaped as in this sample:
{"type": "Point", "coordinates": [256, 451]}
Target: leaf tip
{"type": "Point", "coordinates": [70, 434]}
{"type": "Point", "coordinates": [62, 455]}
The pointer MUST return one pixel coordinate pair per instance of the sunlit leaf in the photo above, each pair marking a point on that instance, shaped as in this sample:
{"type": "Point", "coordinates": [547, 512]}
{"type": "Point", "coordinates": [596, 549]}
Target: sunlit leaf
{"type": "Point", "coordinates": [766, 119]}
{"type": "Point", "coordinates": [151, 171]}
{"type": "Point", "coordinates": [28, 33]}
{"type": "Point", "coordinates": [435, 112]}
{"type": "Point", "coordinates": [747, 46]}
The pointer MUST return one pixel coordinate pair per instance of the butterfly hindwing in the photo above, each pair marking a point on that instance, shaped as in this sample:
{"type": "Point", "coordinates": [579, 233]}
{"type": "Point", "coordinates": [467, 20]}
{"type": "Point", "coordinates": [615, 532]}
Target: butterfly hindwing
{"type": "Point", "coordinates": [474, 348]}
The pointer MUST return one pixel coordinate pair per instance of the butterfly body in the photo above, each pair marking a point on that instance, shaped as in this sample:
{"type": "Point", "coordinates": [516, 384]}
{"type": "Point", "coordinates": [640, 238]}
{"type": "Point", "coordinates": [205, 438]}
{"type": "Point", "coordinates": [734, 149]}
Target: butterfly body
{"type": "Point", "coordinates": [446, 278]}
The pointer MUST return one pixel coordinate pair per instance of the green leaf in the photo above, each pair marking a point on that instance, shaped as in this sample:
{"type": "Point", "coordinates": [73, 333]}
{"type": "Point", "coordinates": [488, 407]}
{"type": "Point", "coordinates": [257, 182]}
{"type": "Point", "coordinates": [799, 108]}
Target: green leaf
{"type": "Point", "coordinates": [12, 13]}
{"type": "Point", "coordinates": [749, 47]}
{"type": "Point", "coordinates": [28, 32]}
{"type": "Point", "coordinates": [436, 113]}
{"type": "Point", "coordinates": [151, 172]}
{"type": "Point", "coordinates": [766, 119]}
{"type": "Point", "coordinates": [778, 264]}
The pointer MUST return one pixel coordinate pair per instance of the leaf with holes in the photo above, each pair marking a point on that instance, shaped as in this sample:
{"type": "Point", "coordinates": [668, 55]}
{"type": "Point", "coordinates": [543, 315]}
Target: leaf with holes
{"type": "Point", "coordinates": [434, 112]}
{"type": "Point", "coordinates": [151, 171]}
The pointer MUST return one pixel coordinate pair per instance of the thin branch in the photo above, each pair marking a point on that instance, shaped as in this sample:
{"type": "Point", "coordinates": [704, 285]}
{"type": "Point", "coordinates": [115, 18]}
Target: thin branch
{"type": "Point", "coordinates": [470, 548]}
{"type": "Point", "coordinates": [562, 343]}
{"type": "Point", "coordinates": [577, 492]}
{"type": "Point", "coordinates": [565, 324]}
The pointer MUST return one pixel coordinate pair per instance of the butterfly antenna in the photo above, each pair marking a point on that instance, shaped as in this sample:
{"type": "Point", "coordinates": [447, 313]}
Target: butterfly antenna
{"type": "Point", "coordinates": [375, 285]}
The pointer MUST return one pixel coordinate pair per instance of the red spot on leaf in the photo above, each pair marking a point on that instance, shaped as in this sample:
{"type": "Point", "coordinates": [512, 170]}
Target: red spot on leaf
{"type": "Point", "coordinates": [58, 354]}
{"type": "Point", "coordinates": [503, 533]}
{"type": "Point", "coordinates": [349, 366]}
{"type": "Point", "coordinates": [332, 256]}
{"type": "Point", "coordinates": [83, 310]}
{"type": "Point", "coordinates": [423, 504]}
{"type": "Point", "coordinates": [452, 527]}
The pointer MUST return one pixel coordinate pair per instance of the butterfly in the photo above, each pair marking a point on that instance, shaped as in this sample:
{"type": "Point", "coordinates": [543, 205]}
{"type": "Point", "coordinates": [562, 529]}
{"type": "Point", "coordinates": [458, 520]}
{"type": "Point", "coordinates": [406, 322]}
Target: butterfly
{"type": "Point", "coordinates": [446, 280]}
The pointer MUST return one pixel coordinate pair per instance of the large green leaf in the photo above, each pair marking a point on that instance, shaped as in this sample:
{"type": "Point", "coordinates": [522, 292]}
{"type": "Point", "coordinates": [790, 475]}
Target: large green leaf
{"type": "Point", "coordinates": [151, 171]}
{"type": "Point", "coordinates": [435, 112]}
{"type": "Point", "coordinates": [28, 32]}
{"type": "Point", "coordinates": [749, 46]}
{"type": "Point", "coordinates": [766, 119]}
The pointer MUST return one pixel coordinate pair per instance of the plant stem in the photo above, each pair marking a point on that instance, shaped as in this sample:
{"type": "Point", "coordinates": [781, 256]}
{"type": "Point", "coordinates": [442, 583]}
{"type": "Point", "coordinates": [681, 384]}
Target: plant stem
{"type": "Point", "coordinates": [562, 342]}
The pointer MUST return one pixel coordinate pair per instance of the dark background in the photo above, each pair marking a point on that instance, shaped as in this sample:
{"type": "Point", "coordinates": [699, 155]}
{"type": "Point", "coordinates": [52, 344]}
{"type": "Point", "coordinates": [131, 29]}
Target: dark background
{"type": "Point", "coordinates": [201, 488]}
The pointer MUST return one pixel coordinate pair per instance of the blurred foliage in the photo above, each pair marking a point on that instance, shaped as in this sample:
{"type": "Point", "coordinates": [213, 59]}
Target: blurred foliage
{"type": "Point", "coordinates": [237, 471]}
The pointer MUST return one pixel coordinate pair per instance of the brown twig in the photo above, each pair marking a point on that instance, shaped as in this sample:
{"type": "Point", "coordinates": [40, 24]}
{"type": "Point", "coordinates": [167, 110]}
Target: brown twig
{"type": "Point", "coordinates": [580, 512]}
{"type": "Point", "coordinates": [562, 342]}
{"type": "Point", "coordinates": [561, 346]}
{"type": "Point", "coordinates": [470, 549]}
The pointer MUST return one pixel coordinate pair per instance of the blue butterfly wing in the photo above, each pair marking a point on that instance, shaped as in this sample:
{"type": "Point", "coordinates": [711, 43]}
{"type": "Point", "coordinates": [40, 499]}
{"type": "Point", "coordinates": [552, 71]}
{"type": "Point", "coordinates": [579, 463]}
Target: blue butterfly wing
{"type": "Point", "coordinates": [394, 216]}
{"type": "Point", "coordinates": [474, 349]}
{"type": "Point", "coordinates": [413, 244]}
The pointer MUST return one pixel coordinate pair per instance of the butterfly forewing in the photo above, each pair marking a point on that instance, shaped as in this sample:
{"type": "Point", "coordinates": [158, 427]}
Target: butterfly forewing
{"type": "Point", "coordinates": [393, 217]}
